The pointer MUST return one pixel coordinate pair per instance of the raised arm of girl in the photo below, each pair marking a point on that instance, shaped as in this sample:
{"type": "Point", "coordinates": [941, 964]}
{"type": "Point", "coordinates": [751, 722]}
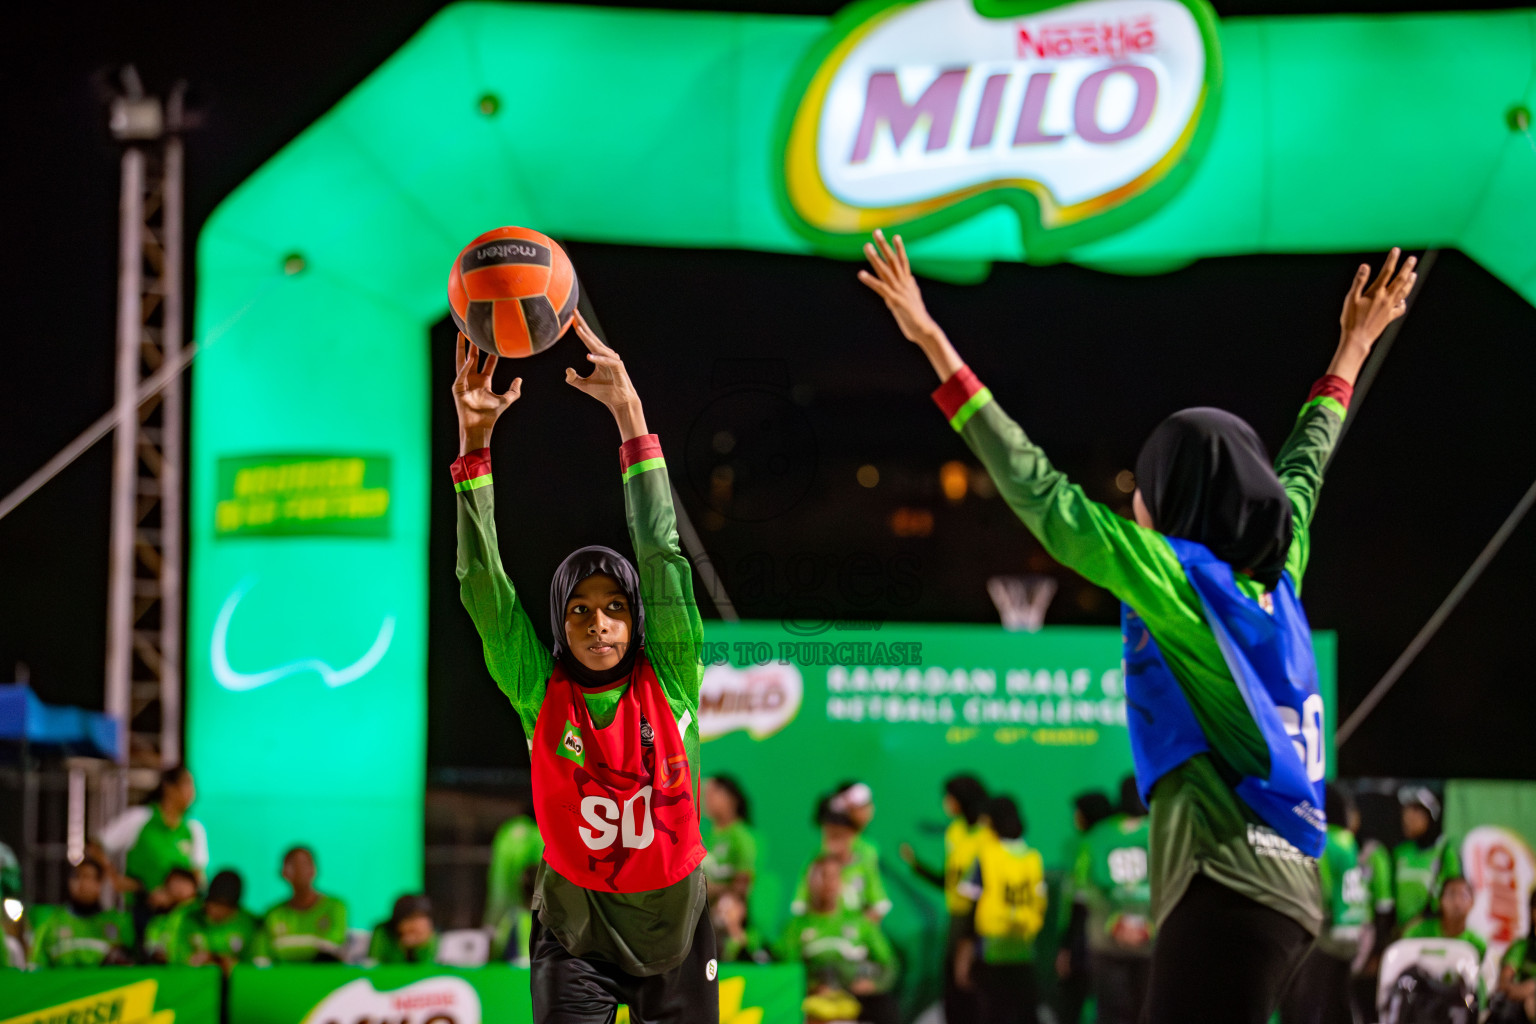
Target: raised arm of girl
{"type": "Point", "coordinates": [517, 660]}
{"type": "Point", "coordinates": [674, 631]}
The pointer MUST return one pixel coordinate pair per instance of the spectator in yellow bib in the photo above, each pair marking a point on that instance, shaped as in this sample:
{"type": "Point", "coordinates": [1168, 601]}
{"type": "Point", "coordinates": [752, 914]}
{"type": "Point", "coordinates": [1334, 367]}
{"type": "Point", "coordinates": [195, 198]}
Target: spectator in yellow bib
{"type": "Point", "coordinates": [1008, 885]}
{"type": "Point", "coordinates": [964, 798]}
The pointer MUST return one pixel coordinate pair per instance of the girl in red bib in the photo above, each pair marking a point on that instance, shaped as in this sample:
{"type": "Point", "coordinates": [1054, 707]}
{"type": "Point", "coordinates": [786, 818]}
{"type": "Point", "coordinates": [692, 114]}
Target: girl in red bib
{"type": "Point", "coordinates": [611, 718]}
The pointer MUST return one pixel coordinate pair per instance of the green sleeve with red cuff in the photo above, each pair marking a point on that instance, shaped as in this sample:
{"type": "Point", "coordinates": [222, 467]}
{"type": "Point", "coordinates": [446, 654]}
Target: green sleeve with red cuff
{"type": "Point", "coordinates": [517, 659]}
{"type": "Point", "coordinates": [1302, 459]}
{"type": "Point", "coordinates": [1137, 564]}
{"type": "Point", "coordinates": [674, 631]}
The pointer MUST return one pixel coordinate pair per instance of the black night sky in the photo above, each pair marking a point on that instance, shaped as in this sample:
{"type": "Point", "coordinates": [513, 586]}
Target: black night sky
{"type": "Point", "coordinates": [1087, 362]}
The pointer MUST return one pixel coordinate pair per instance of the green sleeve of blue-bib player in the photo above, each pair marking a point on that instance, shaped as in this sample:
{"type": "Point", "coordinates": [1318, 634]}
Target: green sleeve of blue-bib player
{"type": "Point", "coordinates": [1302, 459]}
{"type": "Point", "coordinates": [1134, 563]}
{"type": "Point", "coordinates": [517, 659]}
{"type": "Point", "coordinates": [674, 631]}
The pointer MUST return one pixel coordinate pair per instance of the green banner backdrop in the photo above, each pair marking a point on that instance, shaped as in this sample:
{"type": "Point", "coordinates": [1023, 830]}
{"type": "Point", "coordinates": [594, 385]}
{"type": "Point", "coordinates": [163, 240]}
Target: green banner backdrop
{"type": "Point", "coordinates": [496, 994]}
{"type": "Point", "coordinates": [111, 995]}
{"type": "Point", "coordinates": [994, 129]}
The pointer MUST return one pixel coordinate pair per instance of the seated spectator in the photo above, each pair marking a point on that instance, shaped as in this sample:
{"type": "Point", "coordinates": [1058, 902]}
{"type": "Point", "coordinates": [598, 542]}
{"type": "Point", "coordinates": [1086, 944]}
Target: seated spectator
{"type": "Point", "coordinates": [1008, 885]}
{"type": "Point", "coordinates": [81, 933]}
{"type": "Point", "coordinates": [732, 858]}
{"type": "Point", "coordinates": [305, 928]}
{"type": "Point", "coordinates": [408, 937]}
{"type": "Point", "coordinates": [739, 942]}
{"type": "Point", "coordinates": [863, 890]}
{"type": "Point", "coordinates": [214, 930]}
{"type": "Point", "coordinates": [180, 890]}
{"type": "Point", "coordinates": [849, 966]}
{"type": "Point", "coordinates": [1451, 923]}
{"type": "Point", "coordinates": [1516, 1000]}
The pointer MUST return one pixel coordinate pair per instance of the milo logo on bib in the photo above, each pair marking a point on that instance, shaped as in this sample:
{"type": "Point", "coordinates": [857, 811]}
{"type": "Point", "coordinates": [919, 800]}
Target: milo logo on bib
{"type": "Point", "coordinates": [1082, 117]}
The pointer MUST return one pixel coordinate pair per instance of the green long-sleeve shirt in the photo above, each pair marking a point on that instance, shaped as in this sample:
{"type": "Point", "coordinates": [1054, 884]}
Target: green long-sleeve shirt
{"type": "Point", "coordinates": [1419, 872]}
{"type": "Point", "coordinates": [1199, 825]}
{"type": "Point", "coordinates": [648, 932]}
{"type": "Point", "coordinates": [839, 948]}
{"type": "Point", "coordinates": [516, 848]}
{"type": "Point", "coordinates": [70, 936]}
{"type": "Point", "coordinates": [289, 935]}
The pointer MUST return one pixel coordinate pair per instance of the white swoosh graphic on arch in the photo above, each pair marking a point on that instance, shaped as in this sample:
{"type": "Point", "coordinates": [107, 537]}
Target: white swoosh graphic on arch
{"type": "Point", "coordinates": [232, 679]}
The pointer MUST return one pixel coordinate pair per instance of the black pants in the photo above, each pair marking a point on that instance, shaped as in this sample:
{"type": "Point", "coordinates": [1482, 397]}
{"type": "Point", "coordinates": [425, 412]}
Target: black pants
{"type": "Point", "coordinates": [1006, 993]}
{"type": "Point", "coordinates": [884, 1008]}
{"type": "Point", "coordinates": [1222, 958]}
{"type": "Point", "coordinates": [959, 1003]}
{"type": "Point", "coordinates": [1362, 995]}
{"type": "Point", "coordinates": [1120, 987]}
{"type": "Point", "coordinates": [1319, 992]}
{"type": "Point", "coordinates": [573, 990]}
{"type": "Point", "coordinates": [1072, 993]}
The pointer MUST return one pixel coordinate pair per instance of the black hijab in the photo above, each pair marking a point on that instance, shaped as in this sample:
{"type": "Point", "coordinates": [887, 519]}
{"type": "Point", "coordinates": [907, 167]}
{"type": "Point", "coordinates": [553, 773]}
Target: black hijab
{"type": "Point", "coordinates": [1094, 806]}
{"type": "Point", "coordinates": [578, 565]}
{"type": "Point", "coordinates": [1204, 476]}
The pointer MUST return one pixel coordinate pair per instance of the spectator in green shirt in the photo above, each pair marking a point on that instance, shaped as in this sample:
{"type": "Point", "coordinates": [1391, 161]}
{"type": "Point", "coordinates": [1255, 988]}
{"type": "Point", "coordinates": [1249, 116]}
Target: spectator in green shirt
{"type": "Point", "coordinates": [408, 937]}
{"type": "Point", "coordinates": [1072, 966]}
{"type": "Point", "coordinates": [1451, 923]}
{"type": "Point", "coordinates": [155, 838]}
{"type": "Point", "coordinates": [81, 933]}
{"type": "Point", "coordinates": [739, 942]}
{"type": "Point", "coordinates": [307, 927]}
{"type": "Point", "coordinates": [863, 890]}
{"type": "Point", "coordinates": [517, 847]}
{"type": "Point", "coordinates": [510, 937]}
{"type": "Point", "coordinates": [180, 892]}
{"type": "Point", "coordinates": [1424, 860]}
{"type": "Point", "coordinates": [1516, 1001]}
{"type": "Point", "coordinates": [849, 966]}
{"type": "Point", "coordinates": [215, 930]}
{"type": "Point", "coordinates": [732, 858]}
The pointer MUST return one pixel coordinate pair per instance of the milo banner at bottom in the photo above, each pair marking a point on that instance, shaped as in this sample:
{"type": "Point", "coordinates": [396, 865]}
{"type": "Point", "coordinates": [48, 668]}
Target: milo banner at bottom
{"type": "Point", "coordinates": [111, 995]}
{"type": "Point", "coordinates": [497, 994]}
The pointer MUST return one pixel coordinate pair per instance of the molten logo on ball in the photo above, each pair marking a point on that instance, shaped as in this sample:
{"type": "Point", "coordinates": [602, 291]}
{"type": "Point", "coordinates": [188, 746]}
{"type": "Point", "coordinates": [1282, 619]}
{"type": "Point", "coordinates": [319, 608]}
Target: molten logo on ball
{"type": "Point", "coordinates": [512, 291]}
{"type": "Point", "coordinates": [1083, 117]}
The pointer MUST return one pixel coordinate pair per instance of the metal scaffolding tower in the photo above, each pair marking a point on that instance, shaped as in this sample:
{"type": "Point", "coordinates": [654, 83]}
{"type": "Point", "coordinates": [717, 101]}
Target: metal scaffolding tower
{"type": "Point", "coordinates": [144, 603]}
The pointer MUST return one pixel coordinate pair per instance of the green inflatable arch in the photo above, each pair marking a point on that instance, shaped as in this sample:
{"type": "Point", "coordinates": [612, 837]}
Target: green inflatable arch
{"type": "Point", "coordinates": [307, 628]}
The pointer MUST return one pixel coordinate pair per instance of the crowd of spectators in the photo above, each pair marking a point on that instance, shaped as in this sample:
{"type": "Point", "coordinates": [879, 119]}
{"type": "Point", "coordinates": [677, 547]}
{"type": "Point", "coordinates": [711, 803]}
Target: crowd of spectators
{"type": "Point", "coordinates": [140, 895]}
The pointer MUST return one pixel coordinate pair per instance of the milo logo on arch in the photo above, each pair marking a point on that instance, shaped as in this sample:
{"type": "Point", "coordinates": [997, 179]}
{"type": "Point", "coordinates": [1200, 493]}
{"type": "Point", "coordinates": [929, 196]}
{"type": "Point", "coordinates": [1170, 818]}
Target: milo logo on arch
{"type": "Point", "coordinates": [916, 114]}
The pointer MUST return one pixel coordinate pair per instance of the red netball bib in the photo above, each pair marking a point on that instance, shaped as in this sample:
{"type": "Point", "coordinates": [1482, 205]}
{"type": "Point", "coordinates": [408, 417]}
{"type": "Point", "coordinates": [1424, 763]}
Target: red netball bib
{"type": "Point", "coordinates": [615, 805]}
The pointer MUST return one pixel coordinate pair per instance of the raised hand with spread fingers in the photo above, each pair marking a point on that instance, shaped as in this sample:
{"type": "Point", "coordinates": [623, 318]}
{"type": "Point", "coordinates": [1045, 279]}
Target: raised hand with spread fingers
{"type": "Point", "coordinates": [608, 382]}
{"type": "Point", "coordinates": [477, 403]}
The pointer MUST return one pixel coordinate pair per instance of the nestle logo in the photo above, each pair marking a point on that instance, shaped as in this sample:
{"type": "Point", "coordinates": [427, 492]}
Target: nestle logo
{"type": "Point", "coordinates": [1089, 39]}
{"type": "Point", "coordinates": [1083, 118]}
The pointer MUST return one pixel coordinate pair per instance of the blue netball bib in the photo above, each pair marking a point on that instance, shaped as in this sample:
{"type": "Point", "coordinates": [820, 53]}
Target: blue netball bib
{"type": "Point", "coordinates": [1269, 653]}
